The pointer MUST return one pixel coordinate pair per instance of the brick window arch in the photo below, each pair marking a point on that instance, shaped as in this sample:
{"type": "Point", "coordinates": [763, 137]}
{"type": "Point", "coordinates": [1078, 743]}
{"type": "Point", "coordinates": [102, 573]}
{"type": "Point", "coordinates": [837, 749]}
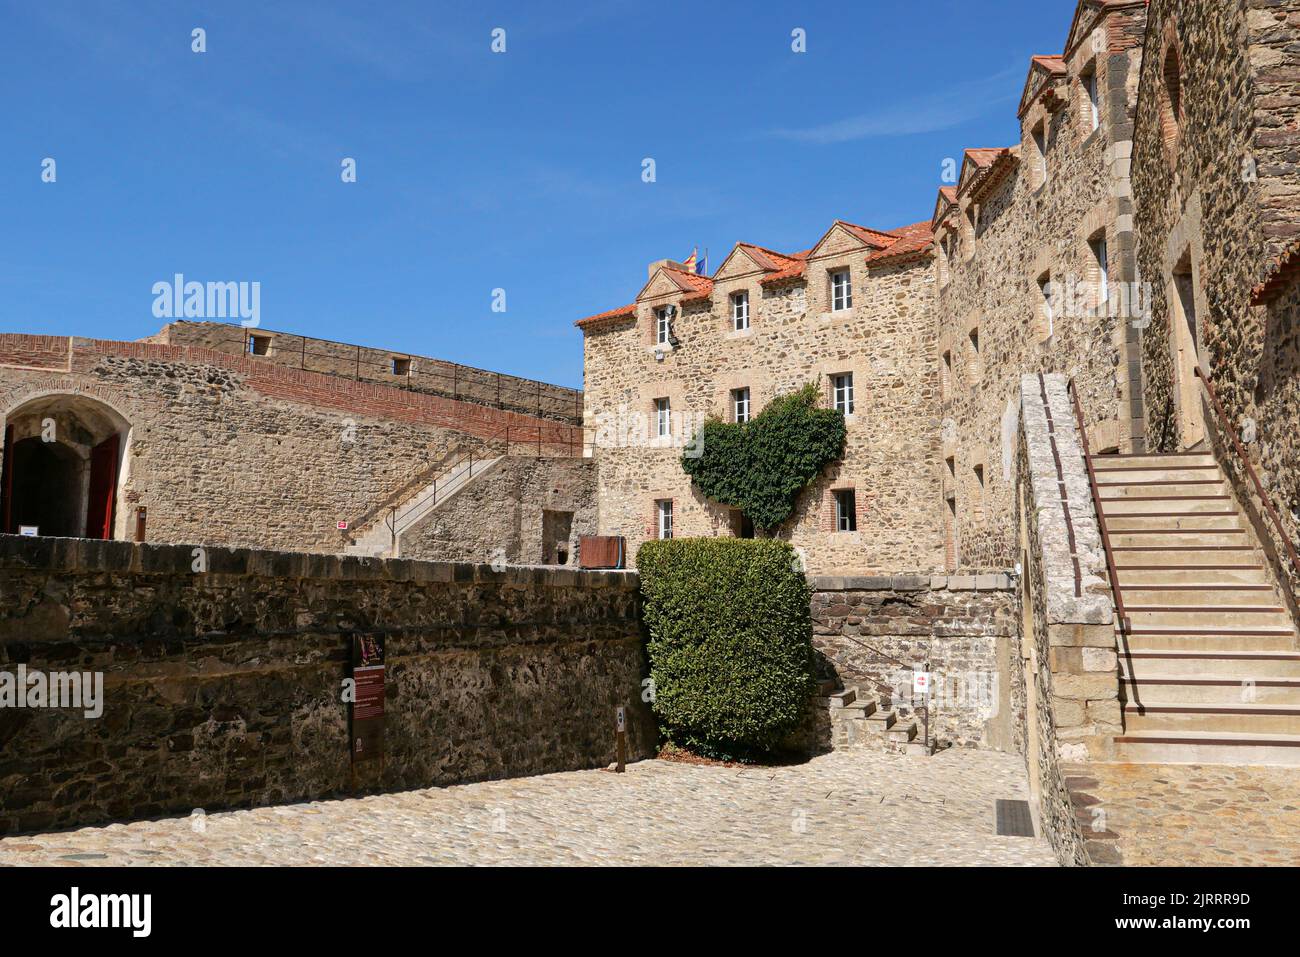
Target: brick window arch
{"type": "Point", "coordinates": [1171, 94]}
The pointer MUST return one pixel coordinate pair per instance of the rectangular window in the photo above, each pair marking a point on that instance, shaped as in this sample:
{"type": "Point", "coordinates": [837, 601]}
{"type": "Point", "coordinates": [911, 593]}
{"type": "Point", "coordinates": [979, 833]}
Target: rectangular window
{"type": "Point", "coordinates": [662, 328]}
{"type": "Point", "coordinates": [974, 369]}
{"type": "Point", "coordinates": [740, 311]}
{"type": "Point", "coordinates": [1091, 105]}
{"type": "Point", "coordinates": [1049, 315]}
{"type": "Point", "coordinates": [259, 345]}
{"type": "Point", "coordinates": [740, 405]}
{"type": "Point", "coordinates": [1098, 246]}
{"type": "Point", "coordinates": [1040, 144]}
{"type": "Point", "coordinates": [401, 366]}
{"type": "Point", "coordinates": [842, 392]}
{"type": "Point", "coordinates": [846, 510]}
{"type": "Point", "coordinates": [841, 291]}
{"type": "Point", "coordinates": [945, 376]}
{"type": "Point", "coordinates": [663, 418]}
{"type": "Point", "coordinates": [664, 517]}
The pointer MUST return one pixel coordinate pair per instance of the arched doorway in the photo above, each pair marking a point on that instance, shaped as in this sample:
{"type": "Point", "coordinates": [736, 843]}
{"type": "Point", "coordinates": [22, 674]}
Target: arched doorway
{"type": "Point", "coordinates": [61, 467]}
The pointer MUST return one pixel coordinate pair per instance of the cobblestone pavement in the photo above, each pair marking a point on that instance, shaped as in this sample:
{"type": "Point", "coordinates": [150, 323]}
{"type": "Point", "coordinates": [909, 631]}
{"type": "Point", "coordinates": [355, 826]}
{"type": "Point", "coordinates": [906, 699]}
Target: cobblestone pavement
{"type": "Point", "coordinates": [842, 808]}
{"type": "Point", "coordinates": [1197, 815]}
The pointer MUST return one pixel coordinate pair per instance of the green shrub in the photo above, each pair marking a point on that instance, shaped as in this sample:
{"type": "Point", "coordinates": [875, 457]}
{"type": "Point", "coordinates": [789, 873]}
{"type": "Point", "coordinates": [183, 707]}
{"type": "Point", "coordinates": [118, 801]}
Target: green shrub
{"type": "Point", "coordinates": [762, 465]}
{"type": "Point", "coordinates": [730, 642]}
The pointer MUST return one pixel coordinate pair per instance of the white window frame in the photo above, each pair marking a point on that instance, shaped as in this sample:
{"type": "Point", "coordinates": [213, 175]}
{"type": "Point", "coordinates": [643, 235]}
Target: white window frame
{"type": "Point", "coordinates": [740, 310]}
{"type": "Point", "coordinates": [664, 518]}
{"type": "Point", "coordinates": [663, 418]}
{"type": "Point", "coordinates": [740, 404]}
{"type": "Point", "coordinates": [841, 290]}
{"type": "Point", "coordinates": [1094, 101]}
{"type": "Point", "coordinates": [845, 520]}
{"type": "Point", "coordinates": [842, 392]}
{"type": "Point", "coordinates": [662, 323]}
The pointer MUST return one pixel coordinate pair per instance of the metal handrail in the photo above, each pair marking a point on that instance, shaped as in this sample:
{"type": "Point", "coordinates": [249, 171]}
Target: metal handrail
{"type": "Point", "coordinates": [1226, 424]}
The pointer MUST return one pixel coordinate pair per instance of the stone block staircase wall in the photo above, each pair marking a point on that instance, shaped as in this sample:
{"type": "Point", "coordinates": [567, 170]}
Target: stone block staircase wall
{"type": "Point", "coordinates": [856, 721]}
{"type": "Point", "coordinates": [1209, 668]}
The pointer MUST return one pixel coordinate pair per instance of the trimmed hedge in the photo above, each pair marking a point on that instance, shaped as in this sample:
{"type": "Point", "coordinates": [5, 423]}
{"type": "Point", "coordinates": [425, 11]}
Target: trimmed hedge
{"type": "Point", "coordinates": [730, 642]}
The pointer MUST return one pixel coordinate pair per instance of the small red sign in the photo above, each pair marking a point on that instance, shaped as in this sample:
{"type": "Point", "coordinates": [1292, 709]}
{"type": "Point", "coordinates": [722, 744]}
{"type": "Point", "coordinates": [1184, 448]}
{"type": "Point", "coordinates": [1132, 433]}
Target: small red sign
{"type": "Point", "coordinates": [343, 526]}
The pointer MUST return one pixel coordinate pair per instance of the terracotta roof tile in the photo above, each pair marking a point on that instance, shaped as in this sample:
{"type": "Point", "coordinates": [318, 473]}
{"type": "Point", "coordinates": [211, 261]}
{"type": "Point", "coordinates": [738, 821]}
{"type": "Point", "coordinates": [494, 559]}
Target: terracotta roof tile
{"type": "Point", "coordinates": [912, 240]}
{"type": "Point", "coordinates": [1053, 63]}
{"type": "Point", "coordinates": [602, 316]}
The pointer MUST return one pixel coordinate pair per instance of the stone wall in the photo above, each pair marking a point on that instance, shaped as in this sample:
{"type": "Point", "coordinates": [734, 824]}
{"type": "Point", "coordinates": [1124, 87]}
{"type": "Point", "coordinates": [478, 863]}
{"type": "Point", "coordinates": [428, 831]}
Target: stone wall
{"type": "Point", "coordinates": [1069, 647]}
{"type": "Point", "coordinates": [366, 364]}
{"type": "Point", "coordinates": [502, 515]}
{"type": "Point", "coordinates": [230, 450]}
{"type": "Point", "coordinates": [224, 689]}
{"type": "Point", "coordinates": [1005, 228]}
{"type": "Point", "coordinates": [1218, 195]}
{"type": "Point", "coordinates": [874, 632]}
{"type": "Point", "coordinates": [891, 458]}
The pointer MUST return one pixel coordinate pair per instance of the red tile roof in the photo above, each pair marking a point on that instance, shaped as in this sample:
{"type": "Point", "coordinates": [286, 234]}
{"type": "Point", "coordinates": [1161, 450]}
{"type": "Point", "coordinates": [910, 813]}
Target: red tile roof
{"type": "Point", "coordinates": [1054, 63]}
{"type": "Point", "coordinates": [696, 286]}
{"type": "Point", "coordinates": [602, 316]}
{"type": "Point", "coordinates": [912, 240]}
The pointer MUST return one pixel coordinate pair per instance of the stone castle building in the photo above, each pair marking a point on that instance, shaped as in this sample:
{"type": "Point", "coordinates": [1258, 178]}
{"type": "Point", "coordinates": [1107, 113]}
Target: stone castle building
{"type": "Point", "coordinates": [1072, 399]}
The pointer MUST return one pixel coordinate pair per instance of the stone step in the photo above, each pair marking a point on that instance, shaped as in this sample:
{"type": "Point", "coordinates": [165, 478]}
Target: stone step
{"type": "Point", "coordinates": [1186, 639]}
{"type": "Point", "coordinates": [1199, 596]}
{"type": "Point", "coordinates": [1182, 488]}
{"type": "Point", "coordinates": [1160, 690]}
{"type": "Point", "coordinates": [1210, 521]}
{"type": "Point", "coordinates": [1177, 556]}
{"type": "Point", "coordinates": [839, 699]}
{"type": "Point", "coordinates": [1108, 476]}
{"type": "Point", "coordinates": [1208, 617]}
{"type": "Point", "coordinates": [1181, 504]}
{"type": "Point", "coordinates": [1257, 718]}
{"type": "Point", "coordinates": [1134, 576]}
{"type": "Point", "coordinates": [1168, 460]}
{"type": "Point", "coordinates": [1179, 537]}
{"type": "Point", "coordinates": [902, 731]}
{"type": "Point", "coordinates": [1197, 748]}
{"type": "Point", "coordinates": [1221, 664]}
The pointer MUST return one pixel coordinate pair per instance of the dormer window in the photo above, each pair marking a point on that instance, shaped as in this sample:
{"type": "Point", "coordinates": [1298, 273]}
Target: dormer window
{"type": "Point", "coordinates": [841, 291]}
{"type": "Point", "coordinates": [740, 310]}
{"type": "Point", "coordinates": [663, 326]}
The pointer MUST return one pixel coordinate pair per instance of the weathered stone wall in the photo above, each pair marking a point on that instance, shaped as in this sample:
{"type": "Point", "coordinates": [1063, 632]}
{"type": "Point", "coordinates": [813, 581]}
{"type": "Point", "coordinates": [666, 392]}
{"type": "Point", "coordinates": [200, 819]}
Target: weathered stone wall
{"type": "Point", "coordinates": [891, 459]}
{"type": "Point", "coordinates": [873, 633]}
{"type": "Point", "coordinates": [500, 516]}
{"type": "Point", "coordinates": [224, 689]}
{"type": "Point", "coordinates": [1218, 192]}
{"type": "Point", "coordinates": [1069, 652]}
{"type": "Point", "coordinates": [231, 450]}
{"type": "Point", "coordinates": [1005, 229]}
{"type": "Point", "coordinates": [363, 363]}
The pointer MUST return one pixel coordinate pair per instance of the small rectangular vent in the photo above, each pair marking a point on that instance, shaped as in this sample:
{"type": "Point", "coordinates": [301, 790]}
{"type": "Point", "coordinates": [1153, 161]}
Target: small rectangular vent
{"type": "Point", "coordinates": [1014, 819]}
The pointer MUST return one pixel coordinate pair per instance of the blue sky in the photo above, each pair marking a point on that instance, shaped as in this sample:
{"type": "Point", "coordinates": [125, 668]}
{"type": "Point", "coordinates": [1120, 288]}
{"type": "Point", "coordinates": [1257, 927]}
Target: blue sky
{"type": "Point", "coordinates": [475, 170]}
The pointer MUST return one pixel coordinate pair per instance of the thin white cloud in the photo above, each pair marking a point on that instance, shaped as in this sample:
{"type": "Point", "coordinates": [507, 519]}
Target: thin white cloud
{"type": "Point", "coordinates": [932, 113]}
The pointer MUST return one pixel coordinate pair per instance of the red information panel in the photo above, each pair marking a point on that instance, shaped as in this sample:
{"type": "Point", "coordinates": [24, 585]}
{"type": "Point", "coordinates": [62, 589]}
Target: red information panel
{"type": "Point", "coordinates": [366, 727]}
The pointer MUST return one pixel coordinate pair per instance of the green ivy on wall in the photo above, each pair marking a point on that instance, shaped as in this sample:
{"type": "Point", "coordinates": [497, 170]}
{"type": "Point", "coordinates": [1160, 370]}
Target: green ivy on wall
{"type": "Point", "coordinates": [762, 465]}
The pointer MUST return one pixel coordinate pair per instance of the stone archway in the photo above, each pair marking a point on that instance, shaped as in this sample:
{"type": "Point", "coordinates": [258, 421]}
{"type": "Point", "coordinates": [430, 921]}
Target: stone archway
{"type": "Point", "coordinates": [62, 466]}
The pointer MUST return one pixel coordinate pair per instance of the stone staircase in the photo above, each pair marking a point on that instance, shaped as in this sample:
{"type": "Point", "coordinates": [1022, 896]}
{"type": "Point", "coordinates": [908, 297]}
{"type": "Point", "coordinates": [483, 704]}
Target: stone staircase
{"type": "Point", "coordinates": [376, 538]}
{"type": "Point", "coordinates": [856, 721]}
{"type": "Point", "coordinates": [1210, 673]}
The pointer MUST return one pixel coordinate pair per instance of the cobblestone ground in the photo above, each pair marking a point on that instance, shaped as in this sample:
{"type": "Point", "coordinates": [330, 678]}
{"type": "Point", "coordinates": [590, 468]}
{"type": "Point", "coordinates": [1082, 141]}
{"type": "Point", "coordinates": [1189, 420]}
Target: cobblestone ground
{"type": "Point", "coordinates": [841, 808]}
{"type": "Point", "coordinates": [1198, 815]}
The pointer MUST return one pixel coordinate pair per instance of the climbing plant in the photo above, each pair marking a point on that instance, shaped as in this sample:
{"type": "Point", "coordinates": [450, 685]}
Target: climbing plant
{"type": "Point", "coordinates": [762, 465]}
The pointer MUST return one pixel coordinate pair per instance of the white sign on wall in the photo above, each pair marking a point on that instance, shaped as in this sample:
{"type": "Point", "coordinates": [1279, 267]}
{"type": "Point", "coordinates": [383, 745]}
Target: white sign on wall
{"type": "Point", "coordinates": [31, 531]}
{"type": "Point", "coordinates": [921, 681]}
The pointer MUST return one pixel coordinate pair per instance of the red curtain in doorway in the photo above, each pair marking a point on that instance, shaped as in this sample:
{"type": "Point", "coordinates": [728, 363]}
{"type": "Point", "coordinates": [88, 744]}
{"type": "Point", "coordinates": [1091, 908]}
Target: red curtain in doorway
{"type": "Point", "coordinates": [103, 483]}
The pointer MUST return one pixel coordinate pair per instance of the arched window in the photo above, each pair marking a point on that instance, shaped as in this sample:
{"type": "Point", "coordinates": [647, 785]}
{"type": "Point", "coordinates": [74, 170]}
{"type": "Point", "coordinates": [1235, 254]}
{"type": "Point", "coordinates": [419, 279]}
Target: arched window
{"type": "Point", "coordinates": [1171, 97]}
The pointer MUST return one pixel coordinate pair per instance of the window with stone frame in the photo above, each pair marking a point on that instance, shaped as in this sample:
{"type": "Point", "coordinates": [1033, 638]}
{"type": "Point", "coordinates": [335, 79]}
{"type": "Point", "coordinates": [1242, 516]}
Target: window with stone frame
{"type": "Point", "coordinates": [740, 310]}
{"type": "Point", "coordinates": [842, 392]}
{"type": "Point", "coordinates": [977, 502]}
{"type": "Point", "coordinates": [846, 510]}
{"type": "Point", "coordinates": [664, 518]}
{"type": "Point", "coordinates": [740, 404]}
{"type": "Point", "coordinates": [259, 345]}
{"type": "Point", "coordinates": [945, 376]}
{"type": "Point", "coordinates": [841, 290]}
{"type": "Point", "coordinates": [974, 361]}
{"type": "Point", "coordinates": [401, 366]}
{"type": "Point", "coordinates": [663, 418]}
{"type": "Point", "coordinates": [663, 325]}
